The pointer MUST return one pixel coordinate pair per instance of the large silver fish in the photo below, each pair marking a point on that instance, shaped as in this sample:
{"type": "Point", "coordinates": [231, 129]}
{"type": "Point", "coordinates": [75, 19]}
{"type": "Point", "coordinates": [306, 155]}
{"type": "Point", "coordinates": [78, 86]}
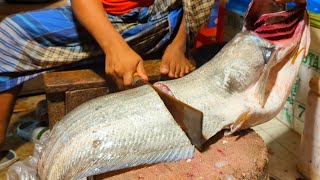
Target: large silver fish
{"type": "Point", "coordinates": [249, 80]}
{"type": "Point", "coordinates": [245, 84]}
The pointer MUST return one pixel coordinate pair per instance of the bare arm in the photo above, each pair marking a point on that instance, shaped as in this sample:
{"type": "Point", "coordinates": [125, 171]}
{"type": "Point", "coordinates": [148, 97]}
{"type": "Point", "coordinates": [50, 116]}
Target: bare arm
{"type": "Point", "coordinates": [121, 61]}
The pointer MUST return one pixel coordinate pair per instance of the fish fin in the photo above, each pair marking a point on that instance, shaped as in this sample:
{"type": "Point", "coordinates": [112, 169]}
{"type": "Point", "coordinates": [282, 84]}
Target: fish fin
{"type": "Point", "coordinates": [260, 91]}
{"type": "Point", "coordinates": [296, 56]}
{"type": "Point", "coordinates": [261, 87]}
{"type": "Point", "coordinates": [238, 123]}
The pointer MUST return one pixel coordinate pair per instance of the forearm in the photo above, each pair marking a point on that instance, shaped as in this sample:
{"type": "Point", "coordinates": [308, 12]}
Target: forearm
{"type": "Point", "coordinates": [91, 15]}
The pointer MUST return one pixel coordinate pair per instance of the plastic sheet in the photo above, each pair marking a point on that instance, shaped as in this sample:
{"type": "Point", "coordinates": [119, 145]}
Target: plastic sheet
{"type": "Point", "coordinates": [238, 6]}
{"type": "Point", "coordinates": [27, 169]}
{"type": "Point", "coordinates": [315, 20]}
{"type": "Point", "coordinates": [313, 6]}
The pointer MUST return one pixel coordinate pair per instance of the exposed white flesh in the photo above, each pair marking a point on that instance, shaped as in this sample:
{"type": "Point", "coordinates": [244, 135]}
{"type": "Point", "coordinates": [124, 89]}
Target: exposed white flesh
{"type": "Point", "coordinates": [113, 132]}
{"type": "Point", "coordinates": [282, 78]}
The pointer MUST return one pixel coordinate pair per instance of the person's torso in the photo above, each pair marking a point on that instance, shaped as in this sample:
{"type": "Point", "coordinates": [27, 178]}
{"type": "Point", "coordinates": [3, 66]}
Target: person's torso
{"type": "Point", "coordinates": [119, 7]}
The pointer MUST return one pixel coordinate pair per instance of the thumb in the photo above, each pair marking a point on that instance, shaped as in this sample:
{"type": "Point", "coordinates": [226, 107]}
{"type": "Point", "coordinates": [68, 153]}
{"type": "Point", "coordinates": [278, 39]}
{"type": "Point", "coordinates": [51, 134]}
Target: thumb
{"type": "Point", "coordinates": [141, 72]}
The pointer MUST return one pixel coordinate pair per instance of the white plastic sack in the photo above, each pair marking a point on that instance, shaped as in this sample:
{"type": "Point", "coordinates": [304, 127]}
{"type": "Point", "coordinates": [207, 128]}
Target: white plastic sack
{"type": "Point", "coordinates": [27, 169]}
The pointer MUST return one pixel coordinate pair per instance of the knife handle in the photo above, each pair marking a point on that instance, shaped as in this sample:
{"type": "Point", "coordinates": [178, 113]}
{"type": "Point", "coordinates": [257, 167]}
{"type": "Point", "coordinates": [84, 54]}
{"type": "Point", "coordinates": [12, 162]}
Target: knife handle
{"type": "Point", "coordinates": [138, 81]}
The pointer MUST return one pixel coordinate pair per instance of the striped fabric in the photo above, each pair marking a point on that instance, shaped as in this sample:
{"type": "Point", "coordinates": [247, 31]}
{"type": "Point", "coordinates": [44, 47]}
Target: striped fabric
{"type": "Point", "coordinates": [36, 42]}
{"type": "Point", "coordinates": [197, 13]}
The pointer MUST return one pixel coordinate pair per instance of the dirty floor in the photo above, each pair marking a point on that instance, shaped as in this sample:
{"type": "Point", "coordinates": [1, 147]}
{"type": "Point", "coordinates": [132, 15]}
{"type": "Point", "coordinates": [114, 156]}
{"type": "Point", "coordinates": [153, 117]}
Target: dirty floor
{"type": "Point", "coordinates": [283, 144]}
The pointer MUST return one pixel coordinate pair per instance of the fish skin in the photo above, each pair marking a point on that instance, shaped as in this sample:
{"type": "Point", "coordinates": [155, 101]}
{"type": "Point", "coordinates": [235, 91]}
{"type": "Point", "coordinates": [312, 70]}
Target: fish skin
{"type": "Point", "coordinates": [285, 68]}
{"type": "Point", "coordinates": [230, 100]}
{"type": "Point", "coordinates": [92, 139]}
{"type": "Point", "coordinates": [282, 78]}
{"type": "Point", "coordinates": [214, 87]}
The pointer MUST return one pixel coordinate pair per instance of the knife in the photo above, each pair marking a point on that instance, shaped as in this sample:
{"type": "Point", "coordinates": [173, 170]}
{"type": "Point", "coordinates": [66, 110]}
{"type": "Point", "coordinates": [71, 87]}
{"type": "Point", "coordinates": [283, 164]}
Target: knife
{"type": "Point", "coordinates": [188, 118]}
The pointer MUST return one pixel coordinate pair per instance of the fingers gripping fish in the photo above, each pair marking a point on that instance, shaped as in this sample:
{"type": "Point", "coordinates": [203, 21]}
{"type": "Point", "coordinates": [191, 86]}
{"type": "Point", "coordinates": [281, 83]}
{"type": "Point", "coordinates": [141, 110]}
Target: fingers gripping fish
{"type": "Point", "coordinates": [245, 84]}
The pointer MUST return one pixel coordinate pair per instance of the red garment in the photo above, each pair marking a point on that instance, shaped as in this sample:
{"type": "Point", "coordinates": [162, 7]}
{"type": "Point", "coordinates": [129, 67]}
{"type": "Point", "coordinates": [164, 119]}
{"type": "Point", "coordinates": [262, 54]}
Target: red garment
{"type": "Point", "coordinates": [119, 7]}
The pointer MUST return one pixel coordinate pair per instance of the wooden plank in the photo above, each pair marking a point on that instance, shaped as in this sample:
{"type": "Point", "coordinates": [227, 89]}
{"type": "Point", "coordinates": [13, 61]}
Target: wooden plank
{"type": "Point", "coordinates": [56, 107]}
{"type": "Point", "coordinates": [67, 89]}
{"type": "Point", "coordinates": [33, 86]}
{"type": "Point", "coordinates": [87, 78]}
{"type": "Point", "coordinates": [72, 80]}
{"type": "Point", "coordinates": [77, 97]}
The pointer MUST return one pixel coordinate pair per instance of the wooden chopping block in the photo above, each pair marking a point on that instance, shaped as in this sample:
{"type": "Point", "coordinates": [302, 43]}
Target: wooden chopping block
{"type": "Point", "coordinates": [65, 90]}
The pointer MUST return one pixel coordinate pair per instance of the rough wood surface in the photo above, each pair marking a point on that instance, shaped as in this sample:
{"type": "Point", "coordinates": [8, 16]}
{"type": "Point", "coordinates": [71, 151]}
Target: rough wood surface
{"type": "Point", "coordinates": [67, 89]}
{"type": "Point", "coordinates": [62, 81]}
{"type": "Point", "coordinates": [77, 97]}
{"type": "Point", "coordinates": [72, 80]}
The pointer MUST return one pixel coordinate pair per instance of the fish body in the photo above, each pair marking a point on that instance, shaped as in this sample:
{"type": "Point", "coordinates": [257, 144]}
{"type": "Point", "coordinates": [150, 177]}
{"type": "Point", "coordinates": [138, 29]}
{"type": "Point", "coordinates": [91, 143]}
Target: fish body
{"type": "Point", "coordinates": [248, 82]}
{"type": "Point", "coordinates": [113, 132]}
{"type": "Point", "coordinates": [245, 84]}
{"type": "Point", "coordinates": [219, 88]}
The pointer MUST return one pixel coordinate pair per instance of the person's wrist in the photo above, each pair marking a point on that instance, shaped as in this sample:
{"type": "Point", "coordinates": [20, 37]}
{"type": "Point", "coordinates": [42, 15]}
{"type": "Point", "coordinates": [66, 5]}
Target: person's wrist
{"type": "Point", "coordinates": [115, 47]}
{"type": "Point", "coordinates": [114, 44]}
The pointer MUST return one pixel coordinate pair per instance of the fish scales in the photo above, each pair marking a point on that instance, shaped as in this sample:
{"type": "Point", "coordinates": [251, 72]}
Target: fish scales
{"type": "Point", "coordinates": [131, 137]}
{"type": "Point", "coordinates": [222, 79]}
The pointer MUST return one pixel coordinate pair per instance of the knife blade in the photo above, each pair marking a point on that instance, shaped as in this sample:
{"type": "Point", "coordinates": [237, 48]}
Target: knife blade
{"type": "Point", "coordinates": [188, 118]}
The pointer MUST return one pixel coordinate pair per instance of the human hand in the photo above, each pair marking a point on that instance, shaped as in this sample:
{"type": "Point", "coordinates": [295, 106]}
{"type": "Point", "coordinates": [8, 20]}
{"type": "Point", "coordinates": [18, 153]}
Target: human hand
{"type": "Point", "coordinates": [121, 64]}
{"type": "Point", "coordinates": [174, 63]}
